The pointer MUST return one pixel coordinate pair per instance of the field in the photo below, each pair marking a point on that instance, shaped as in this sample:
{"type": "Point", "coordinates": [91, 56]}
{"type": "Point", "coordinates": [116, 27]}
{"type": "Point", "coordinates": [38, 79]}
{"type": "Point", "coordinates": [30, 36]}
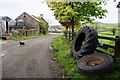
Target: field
{"type": "Point", "coordinates": [69, 64]}
{"type": "Point", "coordinates": [106, 31]}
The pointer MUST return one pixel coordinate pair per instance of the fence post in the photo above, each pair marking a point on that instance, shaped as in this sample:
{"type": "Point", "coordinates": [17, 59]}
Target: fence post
{"type": "Point", "coordinates": [26, 33]}
{"type": "Point", "coordinates": [74, 34]}
{"type": "Point", "coordinates": [117, 47]}
{"type": "Point", "coordinates": [65, 34]}
{"type": "Point", "coordinates": [69, 35]}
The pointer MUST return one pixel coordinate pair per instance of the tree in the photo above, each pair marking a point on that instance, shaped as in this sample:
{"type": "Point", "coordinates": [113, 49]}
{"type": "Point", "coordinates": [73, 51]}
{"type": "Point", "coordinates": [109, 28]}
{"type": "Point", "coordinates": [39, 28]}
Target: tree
{"type": "Point", "coordinates": [77, 12]}
{"type": "Point", "coordinates": [113, 30]}
{"type": "Point", "coordinates": [43, 25]}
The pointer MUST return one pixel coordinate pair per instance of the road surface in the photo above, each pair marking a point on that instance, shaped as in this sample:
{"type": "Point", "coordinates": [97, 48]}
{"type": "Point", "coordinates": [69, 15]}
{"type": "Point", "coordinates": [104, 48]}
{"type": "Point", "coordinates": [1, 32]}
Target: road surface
{"type": "Point", "coordinates": [29, 61]}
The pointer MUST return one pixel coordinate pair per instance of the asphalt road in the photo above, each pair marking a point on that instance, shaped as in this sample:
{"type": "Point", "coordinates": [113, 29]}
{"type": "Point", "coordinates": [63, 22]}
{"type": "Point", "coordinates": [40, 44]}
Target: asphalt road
{"type": "Point", "coordinates": [28, 61]}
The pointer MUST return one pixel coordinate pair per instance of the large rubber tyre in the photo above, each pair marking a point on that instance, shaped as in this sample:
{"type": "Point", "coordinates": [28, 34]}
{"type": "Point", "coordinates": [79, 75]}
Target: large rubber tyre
{"type": "Point", "coordinates": [87, 35]}
{"type": "Point", "coordinates": [96, 64]}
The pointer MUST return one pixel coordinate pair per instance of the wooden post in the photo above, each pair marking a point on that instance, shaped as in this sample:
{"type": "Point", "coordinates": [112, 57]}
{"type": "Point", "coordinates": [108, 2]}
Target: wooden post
{"type": "Point", "coordinates": [65, 35]}
{"type": "Point", "coordinates": [69, 36]}
{"type": "Point", "coordinates": [74, 34]}
{"type": "Point", "coordinates": [117, 47]}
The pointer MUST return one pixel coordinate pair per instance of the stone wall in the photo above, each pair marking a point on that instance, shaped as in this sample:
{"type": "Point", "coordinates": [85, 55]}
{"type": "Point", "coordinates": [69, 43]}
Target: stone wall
{"type": "Point", "coordinates": [31, 32]}
{"type": "Point", "coordinates": [27, 32]}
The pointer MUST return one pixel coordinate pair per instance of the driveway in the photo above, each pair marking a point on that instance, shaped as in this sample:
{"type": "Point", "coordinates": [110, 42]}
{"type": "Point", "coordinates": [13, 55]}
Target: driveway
{"type": "Point", "coordinates": [31, 60]}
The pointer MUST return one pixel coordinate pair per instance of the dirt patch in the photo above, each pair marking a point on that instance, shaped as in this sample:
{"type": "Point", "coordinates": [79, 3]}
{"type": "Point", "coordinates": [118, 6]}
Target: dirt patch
{"type": "Point", "coordinates": [56, 69]}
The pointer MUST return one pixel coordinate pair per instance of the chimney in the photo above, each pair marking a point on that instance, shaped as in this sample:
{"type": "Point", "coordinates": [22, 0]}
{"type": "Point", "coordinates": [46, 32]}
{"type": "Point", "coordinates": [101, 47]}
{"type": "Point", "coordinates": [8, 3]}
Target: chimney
{"type": "Point", "coordinates": [41, 15]}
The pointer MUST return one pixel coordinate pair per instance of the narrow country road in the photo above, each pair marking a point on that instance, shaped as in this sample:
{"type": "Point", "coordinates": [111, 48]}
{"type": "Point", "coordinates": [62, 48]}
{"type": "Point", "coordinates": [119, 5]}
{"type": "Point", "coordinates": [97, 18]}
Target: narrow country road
{"type": "Point", "coordinates": [28, 61]}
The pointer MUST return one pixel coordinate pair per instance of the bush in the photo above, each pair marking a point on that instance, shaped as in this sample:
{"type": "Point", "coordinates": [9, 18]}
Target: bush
{"type": "Point", "coordinates": [113, 30]}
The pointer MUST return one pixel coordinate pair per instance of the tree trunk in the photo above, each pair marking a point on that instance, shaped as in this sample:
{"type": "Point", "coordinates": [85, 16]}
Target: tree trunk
{"type": "Point", "coordinates": [72, 30]}
{"type": "Point", "coordinates": [72, 22]}
{"type": "Point", "coordinates": [66, 28]}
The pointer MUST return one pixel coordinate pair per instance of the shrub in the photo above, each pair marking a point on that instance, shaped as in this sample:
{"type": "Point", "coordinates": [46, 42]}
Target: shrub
{"type": "Point", "coordinates": [113, 30]}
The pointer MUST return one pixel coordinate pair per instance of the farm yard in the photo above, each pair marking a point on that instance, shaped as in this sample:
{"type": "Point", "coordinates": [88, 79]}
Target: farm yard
{"type": "Point", "coordinates": [66, 39]}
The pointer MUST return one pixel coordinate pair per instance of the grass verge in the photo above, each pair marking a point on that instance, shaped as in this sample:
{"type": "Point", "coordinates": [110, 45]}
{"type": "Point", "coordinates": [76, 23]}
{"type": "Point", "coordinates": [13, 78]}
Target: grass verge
{"type": "Point", "coordinates": [64, 58]}
{"type": "Point", "coordinates": [27, 37]}
{"type": "Point", "coordinates": [70, 65]}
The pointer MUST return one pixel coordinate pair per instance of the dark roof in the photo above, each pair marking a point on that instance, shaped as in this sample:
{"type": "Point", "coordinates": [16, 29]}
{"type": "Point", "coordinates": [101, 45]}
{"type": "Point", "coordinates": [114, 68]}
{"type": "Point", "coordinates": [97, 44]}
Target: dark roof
{"type": "Point", "coordinates": [5, 18]}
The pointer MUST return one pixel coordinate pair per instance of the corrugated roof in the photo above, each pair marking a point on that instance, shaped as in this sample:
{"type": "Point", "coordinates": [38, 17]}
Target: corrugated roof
{"type": "Point", "coordinates": [1, 17]}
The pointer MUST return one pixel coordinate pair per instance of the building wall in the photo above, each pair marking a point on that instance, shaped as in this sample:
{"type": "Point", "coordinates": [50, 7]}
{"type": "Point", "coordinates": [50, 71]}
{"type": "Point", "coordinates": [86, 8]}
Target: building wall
{"type": "Point", "coordinates": [3, 25]}
{"type": "Point", "coordinates": [27, 32]}
{"type": "Point", "coordinates": [0, 29]}
{"type": "Point", "coordinates": [4, 21]}
{"type": "Point", "coordinates": [30, 22]}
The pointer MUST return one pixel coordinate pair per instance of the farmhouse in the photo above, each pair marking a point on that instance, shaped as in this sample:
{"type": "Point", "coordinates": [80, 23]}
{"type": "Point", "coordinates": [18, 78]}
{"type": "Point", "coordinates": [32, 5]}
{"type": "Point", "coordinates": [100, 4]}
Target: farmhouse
{"type": "Point", "coordinates": [27, 25]}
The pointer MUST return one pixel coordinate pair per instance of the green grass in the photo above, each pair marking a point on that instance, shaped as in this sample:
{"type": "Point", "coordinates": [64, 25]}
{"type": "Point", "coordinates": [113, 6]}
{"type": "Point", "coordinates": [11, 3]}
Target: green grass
{"type": "Point", "coordinates": [70, 65]}
{"type": "Point", "coordinates": [27, 37]}
{"type": "Point", "coordinates": [64, 58]}
{"type": "Point", "coordinates": [106, 30]}
{"type": "Point", "coordinates": [107, 34]}
{"type": "Point", "coordinates": [109, 50]}
{"type": "Point", "coordinates": [109, 25]}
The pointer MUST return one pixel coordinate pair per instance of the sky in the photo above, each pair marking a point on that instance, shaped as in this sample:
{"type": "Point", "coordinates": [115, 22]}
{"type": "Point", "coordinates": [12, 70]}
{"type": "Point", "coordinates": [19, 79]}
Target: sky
{"type": "Point", "coordinates": [13, 8]}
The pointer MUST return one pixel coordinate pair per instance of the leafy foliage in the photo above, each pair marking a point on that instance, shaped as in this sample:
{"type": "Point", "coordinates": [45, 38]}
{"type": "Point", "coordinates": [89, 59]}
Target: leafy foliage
{"type": "Point", "coordinates": [43, 25]}
{"type": "Point", "coordinates": [76, 13]}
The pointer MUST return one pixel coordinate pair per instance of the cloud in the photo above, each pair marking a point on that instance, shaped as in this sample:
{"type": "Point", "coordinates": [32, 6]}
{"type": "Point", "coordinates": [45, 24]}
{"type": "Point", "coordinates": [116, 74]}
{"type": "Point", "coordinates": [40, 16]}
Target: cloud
{"type": "Point", "coordinates": [13, 8]}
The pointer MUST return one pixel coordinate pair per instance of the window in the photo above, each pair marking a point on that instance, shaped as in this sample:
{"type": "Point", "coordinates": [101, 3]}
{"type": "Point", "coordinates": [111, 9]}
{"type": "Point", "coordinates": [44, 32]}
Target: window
{"type": "Point", "coordinates": [24, 15]}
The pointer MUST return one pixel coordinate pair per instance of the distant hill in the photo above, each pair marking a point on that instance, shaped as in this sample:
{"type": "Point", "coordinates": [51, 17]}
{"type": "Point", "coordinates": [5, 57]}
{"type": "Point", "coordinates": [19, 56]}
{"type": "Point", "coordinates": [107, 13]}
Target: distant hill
{"type": "Point", "coordinates": [58, 26]}
{"type": "Point", "coordinates": [107, 24]}
{"type": "Point", "coordinates": [99, 22]}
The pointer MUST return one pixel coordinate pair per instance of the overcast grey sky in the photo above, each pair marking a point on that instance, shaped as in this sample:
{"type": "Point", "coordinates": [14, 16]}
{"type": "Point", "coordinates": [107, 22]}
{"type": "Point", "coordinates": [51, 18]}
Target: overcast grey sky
{"type": "Point", "coordinates": [13, 8]}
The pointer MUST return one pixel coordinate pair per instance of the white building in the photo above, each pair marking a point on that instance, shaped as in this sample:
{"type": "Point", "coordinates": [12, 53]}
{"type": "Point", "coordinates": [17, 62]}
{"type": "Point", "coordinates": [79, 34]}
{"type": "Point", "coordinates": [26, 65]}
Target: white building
{"type": "Point", "coordinates": [4, 22]}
